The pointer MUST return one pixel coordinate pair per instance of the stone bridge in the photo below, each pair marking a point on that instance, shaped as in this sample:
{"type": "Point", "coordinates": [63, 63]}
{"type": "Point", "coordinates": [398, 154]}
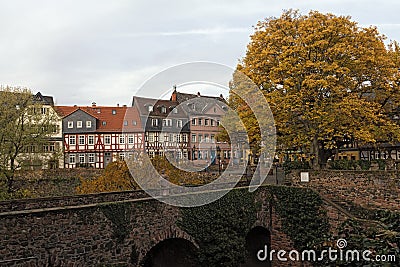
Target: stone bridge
{"type": "Point", "coordinates": [120, 229]}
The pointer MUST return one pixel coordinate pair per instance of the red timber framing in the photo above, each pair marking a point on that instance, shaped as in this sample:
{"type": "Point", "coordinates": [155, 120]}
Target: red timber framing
{"type": "Point", "coordinates": [96, 135]}
{"type": "Point", "coordinates": [96, 150]}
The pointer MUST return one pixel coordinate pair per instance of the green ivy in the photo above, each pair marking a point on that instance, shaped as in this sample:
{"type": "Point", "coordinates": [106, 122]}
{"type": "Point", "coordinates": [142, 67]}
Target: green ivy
{"type": "Point", "coordinates": [303, 218]}
{"type": "Point", "coordinates": [119, 214]}
{"type": "Point", "coordinates": [220, 228]}
{"type": "Point", "coordinates": [363, 236]}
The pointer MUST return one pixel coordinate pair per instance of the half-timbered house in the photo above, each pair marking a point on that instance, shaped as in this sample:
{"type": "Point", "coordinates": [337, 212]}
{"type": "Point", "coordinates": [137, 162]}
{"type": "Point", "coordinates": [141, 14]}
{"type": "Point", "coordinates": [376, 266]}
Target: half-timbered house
{"type": "Point", "coordinates": [96, 135]}
{"type": "Point", "coordinates": [205, 113]}
{"type": "Point", "coordinates": [166, 127]}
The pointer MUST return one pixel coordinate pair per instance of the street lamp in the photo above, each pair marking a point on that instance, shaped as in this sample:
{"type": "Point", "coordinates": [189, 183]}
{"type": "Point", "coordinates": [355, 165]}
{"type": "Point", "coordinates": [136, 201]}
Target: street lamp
{"type": "Point", "coordinates": [219, 159]}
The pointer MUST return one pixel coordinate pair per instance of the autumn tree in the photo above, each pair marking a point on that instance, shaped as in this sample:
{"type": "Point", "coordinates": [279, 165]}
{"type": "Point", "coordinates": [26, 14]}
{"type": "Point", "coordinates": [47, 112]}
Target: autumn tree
{"type": "Point", "coordinates": [120, 175]}
{"type": "Point", "coordinates": [116, 177]}
{"type": "Point", "coordinates": [24, 129]}
{"type": "Point", "coordinates": [325, 78]}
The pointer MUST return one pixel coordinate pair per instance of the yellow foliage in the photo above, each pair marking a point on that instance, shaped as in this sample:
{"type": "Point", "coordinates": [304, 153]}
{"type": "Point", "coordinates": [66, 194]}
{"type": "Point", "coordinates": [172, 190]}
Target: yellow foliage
{"type": "Point", "coordinates": [324, 78]}
{"type": "Point", "coordinates": [116, 177]}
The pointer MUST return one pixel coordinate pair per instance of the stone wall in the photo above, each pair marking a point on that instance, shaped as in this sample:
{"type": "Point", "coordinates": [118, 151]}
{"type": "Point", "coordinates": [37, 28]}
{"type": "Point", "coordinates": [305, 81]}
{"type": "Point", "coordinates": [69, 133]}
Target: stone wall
{"type": "Point", "coordinates": [57, 182]}
{"type": "Point", "coordinates": [76, 231]}
{"type": "Point", "coordinates": [367, 189]}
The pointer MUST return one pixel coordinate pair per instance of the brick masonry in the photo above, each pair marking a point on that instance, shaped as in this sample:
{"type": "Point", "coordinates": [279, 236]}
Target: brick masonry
{"type": "Point", "coordinates": [73, 231]}
{"type": "Point", "coordinates": [367, 189]}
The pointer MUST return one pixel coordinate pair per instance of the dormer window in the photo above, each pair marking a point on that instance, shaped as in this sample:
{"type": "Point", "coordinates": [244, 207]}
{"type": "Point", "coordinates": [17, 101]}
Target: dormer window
{"type": "Point", "coordinates": [163, 109]}
{"type": "Point", "coordinates": [175, 111]}
{"type": "Point", "coordinates": [114, 112]}
{"type": "Point", "coordinates": [150, 108]}
{"type": "Point", "coordinates": [191, 106]}
{"type": "Point", "coordinates": [104, 123]}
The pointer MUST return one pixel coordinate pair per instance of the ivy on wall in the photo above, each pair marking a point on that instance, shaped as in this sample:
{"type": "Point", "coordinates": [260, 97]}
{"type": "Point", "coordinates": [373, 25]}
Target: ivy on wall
{"type": "Point", "coordinates": [302, 216]}
{"type": "Point", "coordinates": [119, 214]}
{"type": "Point", "coordinates": [220, 228]}
{"type": "Point", "coordinates": [363, 236]}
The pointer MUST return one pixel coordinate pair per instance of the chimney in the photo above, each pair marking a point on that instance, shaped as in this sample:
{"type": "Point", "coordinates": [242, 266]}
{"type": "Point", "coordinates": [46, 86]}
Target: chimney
{"type": "Point", "coordinates": [117, 105]}
{"type": "Point", "coordinates": [198, 94]}
{"type": "Point", "coordinates": [221, 96]}
{"type": "Point", "coordinates": [93, 104]}
{"type": "Point", "coordinates": [173, 96]}
{"type": "Point", "coordinates": [124, 106]}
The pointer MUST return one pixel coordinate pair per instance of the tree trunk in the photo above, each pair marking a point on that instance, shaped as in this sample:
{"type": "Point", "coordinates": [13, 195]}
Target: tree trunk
{"type": "Point", "coordinates": [10, 177]}
{"type": "Point", "coordinates": [315, 160]}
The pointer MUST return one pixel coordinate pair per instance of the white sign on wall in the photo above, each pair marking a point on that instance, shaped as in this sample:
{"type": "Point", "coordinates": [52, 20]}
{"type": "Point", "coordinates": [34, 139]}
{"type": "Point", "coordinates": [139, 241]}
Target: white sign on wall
{"type": "Point", "coordinates": [304, 177]}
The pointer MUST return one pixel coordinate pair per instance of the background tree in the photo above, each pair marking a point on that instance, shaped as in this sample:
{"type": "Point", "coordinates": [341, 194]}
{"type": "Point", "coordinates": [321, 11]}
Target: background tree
{"type": "Point", "coordinates": [325, 78]}
{"type": "Point", "coordinates": [116, 177]}
{"type": "Point", "coordinates": [119, 175]}
{"type": "Point", "coordinates": [24, 130]}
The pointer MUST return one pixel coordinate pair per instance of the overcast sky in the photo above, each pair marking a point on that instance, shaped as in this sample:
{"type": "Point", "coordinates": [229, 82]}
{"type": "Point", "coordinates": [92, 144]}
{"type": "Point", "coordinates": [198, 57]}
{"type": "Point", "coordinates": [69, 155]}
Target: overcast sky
{"type": "Point", "coordinates": [103, 51]}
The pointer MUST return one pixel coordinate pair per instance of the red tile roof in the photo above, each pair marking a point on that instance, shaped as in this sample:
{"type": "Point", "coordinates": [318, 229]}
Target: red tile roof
{"type": "Point", "coordinates": [113, 116]}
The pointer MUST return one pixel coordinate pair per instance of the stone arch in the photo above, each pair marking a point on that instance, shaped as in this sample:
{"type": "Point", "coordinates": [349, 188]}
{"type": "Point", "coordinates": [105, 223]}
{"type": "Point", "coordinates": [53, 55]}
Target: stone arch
{"type": "Point", "coordinates": [155, 238]}
{"type": "Point", "coordinates": [171, 252]}
{"type": "Point", "coordinates": [257, 238]}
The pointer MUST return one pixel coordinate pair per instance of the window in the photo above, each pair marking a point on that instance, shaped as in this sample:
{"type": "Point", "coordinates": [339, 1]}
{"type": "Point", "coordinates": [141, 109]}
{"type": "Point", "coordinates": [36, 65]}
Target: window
{"type": "Point", "coordinates": [91, 158]}
{"type": "Point", "coordinates": [81, 139]}
{"type": "Point", "coordinates": [72, 159]}
{"type": "Point", "coordinates": [179, 123]}
{"type": "Point", "coordinates": [79, 124]}
{"type": "Point", "coordinates": [44, 111]}
{"type": "Point", "coordinates": [122, 139]}
{"type": "Point", "coordinates": [88, 124]}
{"type": "Point", "coordinates": [130, 139]}
{"type": "Point", "coordinates": [154, 122]}
{"type": "Point", "coordinates": [167, 122]}
{"type": "Point", "coordinates": [151, 137]}
{"type": "Point", "coordinates": [206, 138]}
{"type": "Point", "coordinates": [49, 147]}
{"type": "Point", "coordinates": [175, 111]}
{"type": "Point", "coordinates": [218, 123]}
{"type": "Point", "coordinates": [121, 156]}
{"type": "Point", "coordinates": [184, 138]}
{"type": "Point", "coordinates": [212, 138]}
{"type": "Point", "coordinates": [54, 128]}
{"type": "Point", "coordinates": [104, 123]}
{"type": "Point", "coordinates": [70, 124]}
{"type": "Point", "coordinates": [81, 158]}
{"type": "Point", "coordinates": [193, 121]}
{"type": "Point", "coordinates": [212, 122]}
{"type": "Point", "coordinates": [163, 109]}
{"type": "Point", "coordinates": [90, 140]}
{"type": "Point", "coordinates": [134, 123]}
{"type": "Point", "coordinates": [178, 138]}
{"type": "Point", "coordinates": [166, 137]}
{"type": "Point", "coordinates": [114, 112]}
{"type": "Point", "coordinates": [200, 121]}
{"type": "Point", "coordinates": [193, 138]}
{"type": "Point", "coordinates": [200, 138]}
{"type": "Point", "coordinates": [150, 108]}
{"type": "Point", "coordinates": [107, 140]}
{"type": "Point", "coordinates": [125, 123]}
{"type": "Point", "coordinates": [206, 122]}
{"type": "Point", "coordinates": [72, 140]}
